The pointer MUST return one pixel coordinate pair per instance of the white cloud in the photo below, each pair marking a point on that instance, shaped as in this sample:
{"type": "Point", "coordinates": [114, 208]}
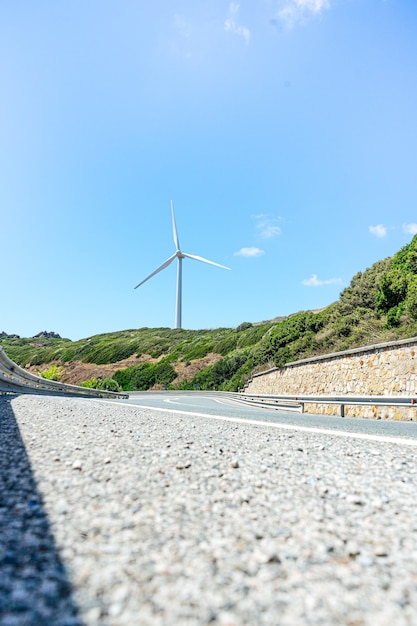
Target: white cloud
{"type": "Point", "coordinates": [292, 11]}
{"type": "Point", "coordinates": [410, 229]}
{"type": "Point", "coordinates": [379, 230]}
{"type": "Point", "coordinates": [314, 281]}
{"type": "Point", "coordinates": [231, 23]}
{"type": "Point", "coordinates": [267, 226]}
{"type": "Point", "coordinates": [249, 252]}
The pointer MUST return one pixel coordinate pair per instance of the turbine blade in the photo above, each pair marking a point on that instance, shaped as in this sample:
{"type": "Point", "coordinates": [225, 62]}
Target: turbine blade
{"type": "Point", "coordinates": [159, 269]}
{"type": "Point", "coordinates": [200, 258]}
{"type": "Point", "coordinates": [174, 228]}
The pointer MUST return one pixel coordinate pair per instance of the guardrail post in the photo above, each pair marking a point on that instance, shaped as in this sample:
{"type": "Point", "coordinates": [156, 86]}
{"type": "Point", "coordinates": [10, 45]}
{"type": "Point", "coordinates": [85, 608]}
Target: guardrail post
{"type": "Point", "coordinates": [342, 410]}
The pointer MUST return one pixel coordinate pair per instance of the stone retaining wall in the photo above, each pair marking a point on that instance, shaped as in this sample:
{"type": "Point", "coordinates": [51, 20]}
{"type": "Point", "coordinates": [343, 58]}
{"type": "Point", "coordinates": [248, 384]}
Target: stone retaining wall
{"type": "Point", "coordinates": [388, 369]}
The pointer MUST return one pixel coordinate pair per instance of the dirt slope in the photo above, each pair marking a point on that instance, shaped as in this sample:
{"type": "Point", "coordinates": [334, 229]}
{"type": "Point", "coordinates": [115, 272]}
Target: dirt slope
{"type": "Point", "coordinates": [75, 372]}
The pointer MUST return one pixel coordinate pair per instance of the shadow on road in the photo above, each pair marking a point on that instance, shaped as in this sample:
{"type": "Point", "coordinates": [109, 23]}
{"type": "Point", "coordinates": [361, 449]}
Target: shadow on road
{"type": "Point", "coordinates": [34, 586]}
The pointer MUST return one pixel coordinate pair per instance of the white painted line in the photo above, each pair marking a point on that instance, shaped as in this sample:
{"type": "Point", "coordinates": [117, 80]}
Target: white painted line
{"type": "Point", "coordinates": [305, 429]}
{"type": "Point", "coordinates": [178, 401]}
{"type": "Point", "coordinates": [219, 401]}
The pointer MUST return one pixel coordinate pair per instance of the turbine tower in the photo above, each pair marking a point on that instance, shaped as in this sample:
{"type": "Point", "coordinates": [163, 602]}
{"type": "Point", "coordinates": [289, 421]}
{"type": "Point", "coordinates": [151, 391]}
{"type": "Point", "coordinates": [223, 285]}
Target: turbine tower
{"type": "Point", "coordinates": [178, 254]}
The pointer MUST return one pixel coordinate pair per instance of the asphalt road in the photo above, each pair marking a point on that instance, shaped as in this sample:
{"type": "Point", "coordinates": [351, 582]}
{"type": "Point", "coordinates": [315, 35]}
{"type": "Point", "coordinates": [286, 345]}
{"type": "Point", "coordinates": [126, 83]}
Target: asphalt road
{"type": "Point", "coordinates": [197, 511]}
{"type": "Point", "coordinates": [219, 406]}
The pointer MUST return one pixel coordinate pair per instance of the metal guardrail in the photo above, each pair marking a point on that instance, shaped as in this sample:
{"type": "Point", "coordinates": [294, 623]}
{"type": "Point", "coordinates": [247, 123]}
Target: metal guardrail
{"type": "Point", "coordinates": [15, 379]}
{"type": "Point", "coordinates": [296, 403]}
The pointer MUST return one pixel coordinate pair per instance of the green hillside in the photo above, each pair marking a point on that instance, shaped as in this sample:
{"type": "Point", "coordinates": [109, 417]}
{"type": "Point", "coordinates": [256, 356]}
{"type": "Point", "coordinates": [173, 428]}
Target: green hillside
{"type": "Point", "coordinates": [380, 304]}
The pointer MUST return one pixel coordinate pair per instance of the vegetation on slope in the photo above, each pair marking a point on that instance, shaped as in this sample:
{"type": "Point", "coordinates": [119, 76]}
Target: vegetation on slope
{"type": "Point", "coordinates": [380, 304]}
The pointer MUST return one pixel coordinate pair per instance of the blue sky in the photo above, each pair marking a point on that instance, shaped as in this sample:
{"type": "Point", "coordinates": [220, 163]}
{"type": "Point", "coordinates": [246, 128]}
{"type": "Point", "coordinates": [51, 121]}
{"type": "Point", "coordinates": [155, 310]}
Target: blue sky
{"type": "Point", "coordinates": [284, 131]}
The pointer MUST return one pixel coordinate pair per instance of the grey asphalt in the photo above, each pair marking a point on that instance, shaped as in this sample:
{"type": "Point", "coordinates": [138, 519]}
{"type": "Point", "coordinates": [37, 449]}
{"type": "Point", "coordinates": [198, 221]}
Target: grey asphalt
{"type": "Point", "coordinates": [118, 515]}
{"type": "Point", "coordinates": [216, 404]}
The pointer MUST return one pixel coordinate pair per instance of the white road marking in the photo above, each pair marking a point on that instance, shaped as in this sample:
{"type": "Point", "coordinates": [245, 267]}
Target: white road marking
{"type": "Point", "coordinates": [304, 429]}
{"type": "Point", "coordinates": [179, 401]}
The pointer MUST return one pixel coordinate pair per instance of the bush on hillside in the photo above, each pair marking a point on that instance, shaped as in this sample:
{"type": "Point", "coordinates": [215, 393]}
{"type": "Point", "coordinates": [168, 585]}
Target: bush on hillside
{"type": "Point", "coordinates": [243, 326]}
{"type": "Point", "coordinates": [53, 373]}
{"type": "Point", "coordinates": [214, 376]}
{"type": "Point", "coordinates": [145, 375]}
{"type": "Point", "coordinates": [164, 373]}
{"type": "Point", "coordinates": [108, 384]}
{"type": "Point", "coordinates": [363, 289]}
{"type": "Point", "coordinates": [138, 377]}
{"type": "Point", "coordinates": [397, 289]}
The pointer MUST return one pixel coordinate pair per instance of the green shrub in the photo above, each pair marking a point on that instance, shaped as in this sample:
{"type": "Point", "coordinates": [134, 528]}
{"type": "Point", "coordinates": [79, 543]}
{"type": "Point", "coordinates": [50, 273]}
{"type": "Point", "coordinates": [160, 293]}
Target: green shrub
{"type": "Point", "coordinates": [138, 377]}
{"type": "Point", "coordinates": [226, 345]}
{"type": "Point", "coordinates": [410, 303]}
{"type": "Point", "coordinates": [363, 288]}
{"type": "Point", "coordinates": [90, 384]}
{"type": "Point", "coordinates": [394, 316]}
{"type": "Point", "coordinates": [53, 373]}
{"type": "Point", "coordinates": [243, 326]}
{"type": "Point", "coordinates": [214, 376]}
{"type": "Point", "coordinates": [164, 373]}
{"type": "Point", "coordinates": [143, 376]}
{"type": "Point", "coordinates": [397, 292]}
{"type": "Point", "coordinates": [108, 384]}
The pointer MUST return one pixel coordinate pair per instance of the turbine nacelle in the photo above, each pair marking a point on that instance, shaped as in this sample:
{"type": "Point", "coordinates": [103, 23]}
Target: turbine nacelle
{"type": "Point", "coordinates": [178, 254]}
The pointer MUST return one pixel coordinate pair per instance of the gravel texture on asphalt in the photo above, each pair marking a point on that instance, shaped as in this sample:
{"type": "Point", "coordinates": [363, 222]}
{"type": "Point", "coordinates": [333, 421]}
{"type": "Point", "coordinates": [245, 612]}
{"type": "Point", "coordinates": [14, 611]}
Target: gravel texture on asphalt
{"type": "Point", "coordinates": [120, 516]}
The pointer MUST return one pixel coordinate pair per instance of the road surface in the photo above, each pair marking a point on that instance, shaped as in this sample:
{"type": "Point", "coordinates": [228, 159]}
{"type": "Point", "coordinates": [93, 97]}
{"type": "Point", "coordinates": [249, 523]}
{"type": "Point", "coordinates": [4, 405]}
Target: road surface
{"type": "Point", "coordinates": [112, 514]}
{"type": "Point", "coordinates": [219, 405]}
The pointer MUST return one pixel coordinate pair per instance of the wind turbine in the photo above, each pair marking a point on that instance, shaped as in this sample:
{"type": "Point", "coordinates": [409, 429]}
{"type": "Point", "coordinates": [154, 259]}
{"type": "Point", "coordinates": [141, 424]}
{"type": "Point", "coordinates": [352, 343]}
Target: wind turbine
{"type": "Point", "coordinates": [178, 254]}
